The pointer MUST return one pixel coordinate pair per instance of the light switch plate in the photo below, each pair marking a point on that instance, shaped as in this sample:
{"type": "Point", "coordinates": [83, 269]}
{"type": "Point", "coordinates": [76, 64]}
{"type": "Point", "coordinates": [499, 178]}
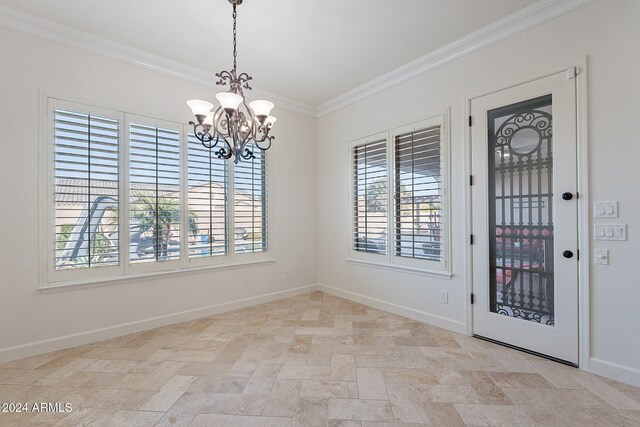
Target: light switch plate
{"type": "Point", "coordinates": [610, 232]}
{"type": "Point", "coordinates": [601, 256]}
{"type": "Point", "coordinates": [605, 209]}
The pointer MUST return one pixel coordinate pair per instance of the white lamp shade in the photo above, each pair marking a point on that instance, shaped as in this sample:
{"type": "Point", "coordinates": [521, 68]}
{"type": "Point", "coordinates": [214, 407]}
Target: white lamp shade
{"type": "Point", "coordinates": [209, 119]}
{"type": "Point", "coordinates": [270, 121]}
{"type": "Point", "coordinates": [228, 100]}
{"type": "Point", "coordinates": [261, 107]}
{"type": "Point", "coordinates": [200, 108]}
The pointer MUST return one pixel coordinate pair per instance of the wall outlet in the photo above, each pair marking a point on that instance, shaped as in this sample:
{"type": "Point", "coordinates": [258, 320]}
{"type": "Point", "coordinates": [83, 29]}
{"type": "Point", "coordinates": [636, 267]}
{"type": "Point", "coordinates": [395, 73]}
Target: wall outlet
{"type": "Point", "coordinates": [444, 297]}
{"type": "Point", "coordinates": [286, 275]}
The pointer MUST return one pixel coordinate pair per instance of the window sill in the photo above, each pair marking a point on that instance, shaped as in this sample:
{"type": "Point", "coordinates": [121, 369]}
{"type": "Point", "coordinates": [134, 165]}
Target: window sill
{"type": "Point", "coordinates": [403, 268]}
{"type": "Point", "coordinates": [92, 283]}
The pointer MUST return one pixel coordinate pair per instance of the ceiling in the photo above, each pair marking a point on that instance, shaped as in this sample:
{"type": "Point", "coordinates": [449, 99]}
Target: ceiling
{"type": "Point", "coordinates": [308, 51]}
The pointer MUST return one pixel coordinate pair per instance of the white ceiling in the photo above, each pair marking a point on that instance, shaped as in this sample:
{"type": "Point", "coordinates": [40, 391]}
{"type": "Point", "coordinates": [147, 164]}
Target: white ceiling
{"type": "Point", "coordinates": [308, 51]}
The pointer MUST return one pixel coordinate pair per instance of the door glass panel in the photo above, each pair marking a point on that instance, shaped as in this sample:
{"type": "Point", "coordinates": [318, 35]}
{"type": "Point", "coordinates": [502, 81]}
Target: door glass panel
{"type": "Point", "coordinates": [520, 210]}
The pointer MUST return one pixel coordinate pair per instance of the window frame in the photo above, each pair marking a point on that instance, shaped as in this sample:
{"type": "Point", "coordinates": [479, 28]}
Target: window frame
{"type": "Point", "coordinates": [51, 279]}
{"type": "Point", "coordinates": [392, 261]}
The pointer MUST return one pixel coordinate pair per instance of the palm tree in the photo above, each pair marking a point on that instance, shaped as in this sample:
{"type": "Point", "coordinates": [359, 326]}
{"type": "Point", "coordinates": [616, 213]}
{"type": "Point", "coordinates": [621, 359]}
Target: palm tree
{"type": "Point", "coordinates": [158, 214]}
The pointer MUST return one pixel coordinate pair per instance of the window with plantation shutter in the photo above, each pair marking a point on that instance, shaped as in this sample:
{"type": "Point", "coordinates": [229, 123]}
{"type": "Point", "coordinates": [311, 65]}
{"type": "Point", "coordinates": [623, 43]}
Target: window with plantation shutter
{"type": "Point", "coordinates": [86, 180]}
{"type": "Point", "coordinates": [207, 205]}
{"type": "Point", "coordinates": [369, 168]}
{"type": "Point", "coordinates": [399, 198]}
{"type": "Point", "coordinates": [419, 194]}
{"type": "Point", "coordinates": [154, 194]}
{"type": "Point", "coordinates": [137, 196]}
{"type": "Point", "coordinates": [250, 204]}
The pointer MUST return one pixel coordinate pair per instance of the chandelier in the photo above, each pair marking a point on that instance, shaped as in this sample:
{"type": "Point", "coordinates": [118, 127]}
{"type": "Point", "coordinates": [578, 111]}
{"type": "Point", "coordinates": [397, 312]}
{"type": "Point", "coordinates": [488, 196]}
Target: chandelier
{"type": "Point", "coordinates": [233, 125]}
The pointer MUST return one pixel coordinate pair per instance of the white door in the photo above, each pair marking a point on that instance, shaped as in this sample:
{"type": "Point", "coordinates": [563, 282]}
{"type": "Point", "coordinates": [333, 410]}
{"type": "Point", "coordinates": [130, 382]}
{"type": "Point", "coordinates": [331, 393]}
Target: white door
{"type": "Point", "coordinates": [525, 230]}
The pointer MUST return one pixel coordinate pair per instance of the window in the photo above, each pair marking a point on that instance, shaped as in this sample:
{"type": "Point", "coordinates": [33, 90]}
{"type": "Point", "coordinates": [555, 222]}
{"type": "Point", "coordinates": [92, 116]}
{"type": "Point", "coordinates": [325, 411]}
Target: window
{"type": "Point", "coordinates": [418, 190]}
{"type": "Point", "coordinates": [250, 204]}
{"type": "Point", "coordinates": [154, 194]}
{"type": "Point", "coordinates": [408, 163]}
{"type": "Point", "coordinates": [207, 207]}
{"type": "Point", "coordinates": [86, 178]}
{"type": "Point", "coordinates": [129, 196]}
{"type": "Point", "coordinates": [370, 197]}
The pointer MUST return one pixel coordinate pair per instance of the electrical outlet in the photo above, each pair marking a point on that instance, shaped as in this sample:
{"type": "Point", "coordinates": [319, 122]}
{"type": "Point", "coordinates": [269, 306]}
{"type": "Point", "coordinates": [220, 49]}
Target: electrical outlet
{"type": "Point", "coordinates": [444, 297]}
{"type": "Point", "coordinates": [287, 275]}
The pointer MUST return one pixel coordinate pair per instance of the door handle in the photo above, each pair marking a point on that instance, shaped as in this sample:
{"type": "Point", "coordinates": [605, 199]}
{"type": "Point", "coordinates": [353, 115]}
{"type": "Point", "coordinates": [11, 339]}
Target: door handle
{"type": "Point", "coordinates": [567, 254]}
{"type": "Point", "coordinates": [567, 196]}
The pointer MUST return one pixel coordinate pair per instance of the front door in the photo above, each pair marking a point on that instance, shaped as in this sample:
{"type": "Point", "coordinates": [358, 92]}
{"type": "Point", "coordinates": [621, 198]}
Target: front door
{"type": "Point", "coordinates": [524, 167]}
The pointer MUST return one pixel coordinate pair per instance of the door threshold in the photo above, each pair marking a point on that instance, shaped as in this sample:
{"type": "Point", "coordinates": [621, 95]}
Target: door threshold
{"type": "Point", "coordinates": [524, 350]}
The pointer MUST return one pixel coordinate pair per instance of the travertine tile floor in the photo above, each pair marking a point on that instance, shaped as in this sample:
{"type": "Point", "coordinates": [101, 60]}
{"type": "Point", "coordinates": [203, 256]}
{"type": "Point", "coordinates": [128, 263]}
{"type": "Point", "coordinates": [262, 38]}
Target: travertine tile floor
{"type": "Point", "coordinates": [310, 360]}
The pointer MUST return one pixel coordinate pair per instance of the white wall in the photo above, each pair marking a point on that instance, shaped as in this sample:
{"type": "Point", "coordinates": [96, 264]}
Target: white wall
{"type": "Point", "coordinates": [29, 65]}
{"type": "Point", "coordinates": [608, 32]}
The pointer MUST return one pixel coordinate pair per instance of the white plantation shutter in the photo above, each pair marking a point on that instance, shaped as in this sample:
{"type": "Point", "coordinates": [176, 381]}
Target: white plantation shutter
{"type": "Point", "coordinates": [86, 179]}
{"type": "Point", "coordinates": [207, 204]}
{"type": "Point", "coordinates": [419, 194]}
{"type": "Point", "coordinates": [250, 204]}
{"type": "Point", "coordinates": [154, 194]}
{"type": "Point", "coordinates": [369, 162]}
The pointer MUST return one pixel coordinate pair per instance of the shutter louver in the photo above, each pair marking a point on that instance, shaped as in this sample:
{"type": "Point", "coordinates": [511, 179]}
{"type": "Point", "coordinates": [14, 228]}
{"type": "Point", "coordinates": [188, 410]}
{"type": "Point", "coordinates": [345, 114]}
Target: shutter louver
{"type": "Point", "coordinates": [419, 195]}
{"type": "Point", "coordinates": [154, 186]}
{"type": "Point", "coordinates": [370, 197]}
{"type": "Point", "coordinates": [86, 155]}
{"type": "Point", "coordinates": [250, 204]}
{"type": "Point", "coordinates": [207, 179]}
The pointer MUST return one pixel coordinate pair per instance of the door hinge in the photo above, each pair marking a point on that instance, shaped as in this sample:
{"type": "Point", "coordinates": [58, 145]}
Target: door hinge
{"type": "Point", "coordinates": [470, 179]}
{"type": "Point", "coordinates": [470, 121]}
{"type": "Point", "coordinates": [472, 298]}
{"type": "Point", "coordinates": [471, 239]}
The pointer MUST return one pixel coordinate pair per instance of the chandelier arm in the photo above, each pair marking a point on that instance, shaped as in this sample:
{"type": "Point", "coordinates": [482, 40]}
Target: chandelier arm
{"type": "Point", "coordinates": [266, 138]}
{"type": "Point", "coordinates": [218, 119]}
{"type": "Point", "coordinates": [224, 152]}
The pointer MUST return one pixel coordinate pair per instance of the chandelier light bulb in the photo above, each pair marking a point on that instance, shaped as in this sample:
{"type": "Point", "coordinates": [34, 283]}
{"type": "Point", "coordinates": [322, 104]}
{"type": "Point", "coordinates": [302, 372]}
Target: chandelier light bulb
{"type": "Point", "coordinates": [200, 108]}
{"type": "Point", "coordinates": [229, 101]}
{"type": "Point", "coordinates": [208, 121]}
{"type": "Point", "coordinates": [269, 121]}
{"type": "Point", "coordinates": [261, 108]}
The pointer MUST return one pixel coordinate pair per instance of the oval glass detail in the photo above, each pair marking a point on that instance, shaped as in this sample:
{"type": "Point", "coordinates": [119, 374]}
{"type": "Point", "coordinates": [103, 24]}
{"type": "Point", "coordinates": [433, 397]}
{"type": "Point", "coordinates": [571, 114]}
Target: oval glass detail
{"type": "Point", "coordinates": [525, 141]}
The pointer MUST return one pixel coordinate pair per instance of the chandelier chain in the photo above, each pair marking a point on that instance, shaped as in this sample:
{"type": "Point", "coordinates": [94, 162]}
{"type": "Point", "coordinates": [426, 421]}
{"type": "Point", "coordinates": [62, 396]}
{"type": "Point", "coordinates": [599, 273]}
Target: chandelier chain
{"type": "Point", "coordinates": [235, 52]}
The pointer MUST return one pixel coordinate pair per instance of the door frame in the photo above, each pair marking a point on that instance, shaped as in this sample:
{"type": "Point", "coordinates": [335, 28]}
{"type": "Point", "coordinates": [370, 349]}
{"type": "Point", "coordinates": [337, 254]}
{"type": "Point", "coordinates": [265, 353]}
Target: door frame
{"type": "Point", "coordinates": [582, 159]}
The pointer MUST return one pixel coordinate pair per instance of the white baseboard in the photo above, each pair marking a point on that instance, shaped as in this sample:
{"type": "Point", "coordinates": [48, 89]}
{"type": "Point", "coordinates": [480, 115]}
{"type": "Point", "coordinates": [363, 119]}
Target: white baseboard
{"type": "Point", "coordinates": [68, 341]}
{"type": "Point", "coordinates": [421, 316]}
{"type": "Point", "coordinates": [621, 373]}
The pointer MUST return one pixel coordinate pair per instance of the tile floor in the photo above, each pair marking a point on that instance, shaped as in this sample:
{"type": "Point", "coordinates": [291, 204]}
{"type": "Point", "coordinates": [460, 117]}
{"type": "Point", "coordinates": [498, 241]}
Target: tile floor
{"type": "Point", "coordinates": [310, 360]}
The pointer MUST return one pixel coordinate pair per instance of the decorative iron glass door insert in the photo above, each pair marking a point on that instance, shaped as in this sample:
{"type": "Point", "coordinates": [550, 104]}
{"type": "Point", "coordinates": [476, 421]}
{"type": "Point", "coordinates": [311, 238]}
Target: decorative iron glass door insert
{"type": "Point", "coordinates": [520, 210]}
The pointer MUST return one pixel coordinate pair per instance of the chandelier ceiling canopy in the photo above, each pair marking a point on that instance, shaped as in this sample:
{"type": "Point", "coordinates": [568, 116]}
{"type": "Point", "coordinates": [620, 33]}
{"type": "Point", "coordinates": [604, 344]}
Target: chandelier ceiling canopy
{"type": "Point", "coordinates": [233, 126]}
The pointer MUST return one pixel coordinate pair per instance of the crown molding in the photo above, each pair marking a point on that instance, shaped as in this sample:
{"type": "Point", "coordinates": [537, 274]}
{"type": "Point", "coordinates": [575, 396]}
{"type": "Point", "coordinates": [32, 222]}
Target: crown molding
{"type": "Point", "coordinates": [58, 33]}
{"type": "Point", "coordinates": [522, 20]}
